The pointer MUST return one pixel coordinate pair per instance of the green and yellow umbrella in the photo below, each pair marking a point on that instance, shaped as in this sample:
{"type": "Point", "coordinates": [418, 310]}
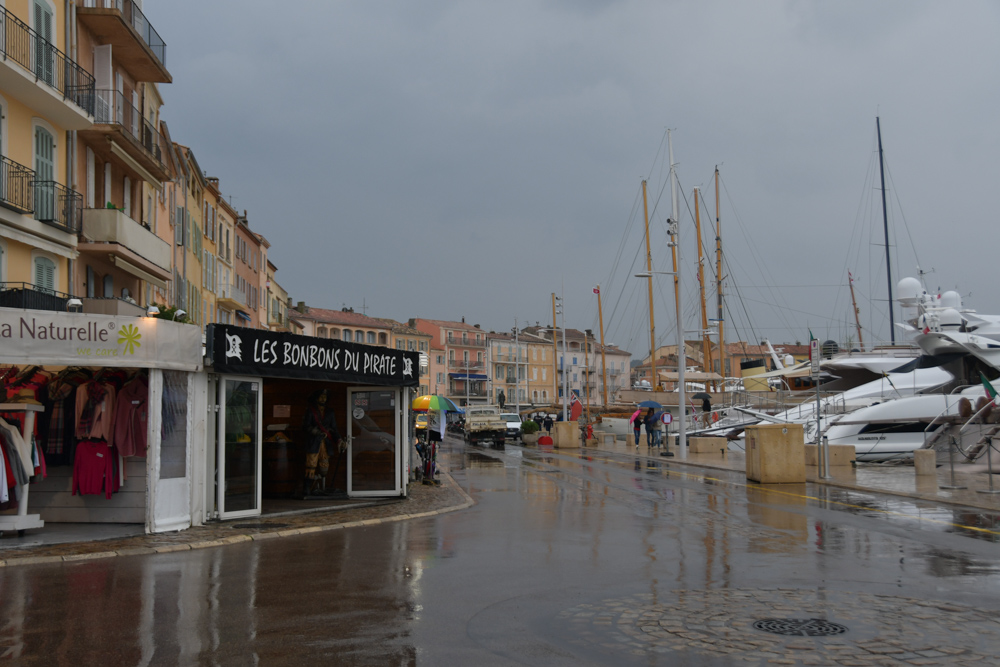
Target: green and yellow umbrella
{"type": "Point", "coordinates": [433, 402]}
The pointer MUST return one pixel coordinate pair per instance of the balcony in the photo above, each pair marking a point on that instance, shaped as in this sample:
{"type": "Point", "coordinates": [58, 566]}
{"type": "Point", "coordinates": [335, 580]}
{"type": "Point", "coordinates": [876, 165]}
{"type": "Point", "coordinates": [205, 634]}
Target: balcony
{"type": "Point", "coordinates": [57, 205]}
{"type": "Point", "coordinates": [137, 46]}
{"type": "Point", "coordinates": [44, 78]}
{"type": "Point", "coordinates": [112, 306]}
{"type": "Point", "coordinates": [465, 365]}
{"type": "Point", "coordinates": [16, 192]}
{"type": "Point", "coordinates": [134, 139]}
{"type": "Point", "coordinates": [466, 342]}
{"type": "Point", "coordinates": [512, 358]}
{"type": "Point", "coordinates": [33, 297]}
{"type": "Point", "coordinates": [130, 246]}
{"type": "Point", "coordinates": [232, 298]}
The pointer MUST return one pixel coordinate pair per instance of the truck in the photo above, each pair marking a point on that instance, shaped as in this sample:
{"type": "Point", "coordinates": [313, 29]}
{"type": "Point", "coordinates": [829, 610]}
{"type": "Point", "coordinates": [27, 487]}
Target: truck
{"type": "Point", "coordinates": [484, 425]}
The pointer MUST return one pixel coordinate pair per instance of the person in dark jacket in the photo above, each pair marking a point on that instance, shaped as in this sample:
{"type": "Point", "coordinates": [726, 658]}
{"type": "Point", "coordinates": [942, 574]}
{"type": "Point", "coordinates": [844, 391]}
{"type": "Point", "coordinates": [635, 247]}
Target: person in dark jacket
{"type": "Point", "coordinates": [649, 421]}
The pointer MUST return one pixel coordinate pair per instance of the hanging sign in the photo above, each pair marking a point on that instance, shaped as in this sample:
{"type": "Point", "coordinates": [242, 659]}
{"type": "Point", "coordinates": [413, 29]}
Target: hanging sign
{"type": "Point", "coordinates": [242, 351]}
{"type": "Point", "coordinates": [814, 357]}
{"type": "Point", "coordinates": [83, 339]}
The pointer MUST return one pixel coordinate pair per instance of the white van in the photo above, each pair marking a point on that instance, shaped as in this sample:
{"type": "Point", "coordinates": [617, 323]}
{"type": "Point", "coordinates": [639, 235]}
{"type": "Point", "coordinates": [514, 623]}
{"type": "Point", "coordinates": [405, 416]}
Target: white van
{"type": "Point", "coordinates": [513, 424]}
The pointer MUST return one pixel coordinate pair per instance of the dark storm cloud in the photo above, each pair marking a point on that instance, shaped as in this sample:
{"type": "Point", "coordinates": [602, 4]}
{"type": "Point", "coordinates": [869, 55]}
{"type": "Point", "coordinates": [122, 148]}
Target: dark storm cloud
{"type": "Point", "coordinates": [467, 158]}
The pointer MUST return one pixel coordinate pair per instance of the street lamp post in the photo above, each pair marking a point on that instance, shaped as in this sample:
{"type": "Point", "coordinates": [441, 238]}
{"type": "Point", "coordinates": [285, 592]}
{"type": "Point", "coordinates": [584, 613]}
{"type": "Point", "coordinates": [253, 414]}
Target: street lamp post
{"type": "Point", "coordinates": [562, 361]}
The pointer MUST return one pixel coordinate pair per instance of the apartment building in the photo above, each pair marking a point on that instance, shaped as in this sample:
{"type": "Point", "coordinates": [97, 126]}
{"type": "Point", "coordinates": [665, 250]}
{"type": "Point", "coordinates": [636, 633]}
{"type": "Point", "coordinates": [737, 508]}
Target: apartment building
{"type": "Point", "coordinates": [579, 364]}
{"type": "Point", "coordinates": [249, 265]}
{"type": "Point", "coordinates": [405, 337]}
{"type": "Point", "coordinates": [464, 349]}
{"type": "Point", "coordinates": [119, 158]}
{"type": "Point", "coordinates": [45, 96]}
{"type": "Point", "coordinates": [277, 301]}
{"type": "Point", "coordinates": [345, 325]}
{"type": "Point", "coordinates": [226, 303]}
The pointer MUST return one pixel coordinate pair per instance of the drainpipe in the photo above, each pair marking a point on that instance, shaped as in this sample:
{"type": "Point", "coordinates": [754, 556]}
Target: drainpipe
{"type": "Point", "coordinates": [70, 46]}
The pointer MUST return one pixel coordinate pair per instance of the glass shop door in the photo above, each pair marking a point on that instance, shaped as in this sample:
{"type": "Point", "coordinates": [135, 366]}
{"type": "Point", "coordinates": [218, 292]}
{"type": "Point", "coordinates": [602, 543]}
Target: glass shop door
{"type": "Point", "coordinates": [239, 454]}
{"type": "Point", "coordinates": [373, 434]}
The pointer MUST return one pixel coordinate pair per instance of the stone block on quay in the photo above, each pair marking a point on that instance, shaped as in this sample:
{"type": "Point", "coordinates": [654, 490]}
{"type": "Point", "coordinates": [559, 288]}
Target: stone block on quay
{"type": "Point", "coordinates": [840, 455]}
{"type": "Point", "coordinates": [775, 454]}
{"type": "Point", "coordinates": [706, 445]}
{"type": "Point", "coordinates": [925, 462]}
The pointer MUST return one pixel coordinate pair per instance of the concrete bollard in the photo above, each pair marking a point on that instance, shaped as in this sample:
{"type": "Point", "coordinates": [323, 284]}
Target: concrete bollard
{"type": "Point", "coordinates": [925, 462]}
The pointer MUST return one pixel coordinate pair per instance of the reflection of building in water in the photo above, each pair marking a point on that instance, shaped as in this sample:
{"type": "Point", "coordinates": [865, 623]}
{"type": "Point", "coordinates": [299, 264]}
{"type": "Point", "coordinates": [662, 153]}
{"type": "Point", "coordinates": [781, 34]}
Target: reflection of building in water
{"type": "Point", "coordinates": [780, 510]}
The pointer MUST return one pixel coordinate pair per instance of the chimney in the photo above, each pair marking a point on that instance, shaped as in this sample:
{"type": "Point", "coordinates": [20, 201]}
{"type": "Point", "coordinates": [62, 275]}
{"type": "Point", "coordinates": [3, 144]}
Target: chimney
{"type": "Point", "coordinates": [463, 319]}
{"type": "Point", "coordinates": [476, 325]}
{"type": "Point", "coordinates": [412, 322]}
{"type": "Point", "coordinates": [301, 307]}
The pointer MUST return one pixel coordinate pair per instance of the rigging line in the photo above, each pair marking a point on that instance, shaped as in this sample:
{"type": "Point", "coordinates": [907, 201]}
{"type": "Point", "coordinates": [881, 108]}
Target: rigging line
{"type": "Point", "coordinates": [754, 253]}
{"type": "Point", "coordinates": [906, 225]}
{"type": "Point", "coordinates": [633, 214]}
{"type": "Point", "coordinates": [827, 318]}
{"type": "Point", "coordinates": [739, 294]}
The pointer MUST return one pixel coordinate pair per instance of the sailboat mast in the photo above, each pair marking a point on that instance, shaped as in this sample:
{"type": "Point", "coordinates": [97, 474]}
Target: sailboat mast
{"type": "Point", "coordinates": [885, 225]}
{"type": "Point", "coordinates": [604, 366]}
{"type": "Point", "coordinates": [718, 277]}
{"type": "Point", "coordinates": [649, 269]}
{"type": "Point", "coordinates": [706, 352]}
{"type": "Point", "coordinates": [857, 317]}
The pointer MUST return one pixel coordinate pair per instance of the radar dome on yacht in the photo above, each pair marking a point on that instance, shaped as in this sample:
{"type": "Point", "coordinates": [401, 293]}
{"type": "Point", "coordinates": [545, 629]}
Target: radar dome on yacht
{"type": "Point", "coordinates": [908, 292]}
{"type": "Point", "coordinates": [950, 319]}
{"type": "Point", "coordinates": [789, 360]}
{"type": "Point", "coordinates": [951, 299]}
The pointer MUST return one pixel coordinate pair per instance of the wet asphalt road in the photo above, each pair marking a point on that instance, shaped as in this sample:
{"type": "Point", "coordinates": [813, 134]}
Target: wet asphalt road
{"type": "Point", "coordinates": [565, 560]}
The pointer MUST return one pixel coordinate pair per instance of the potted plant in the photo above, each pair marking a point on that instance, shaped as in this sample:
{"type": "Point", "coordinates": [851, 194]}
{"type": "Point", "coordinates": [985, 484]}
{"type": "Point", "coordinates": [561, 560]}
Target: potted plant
{"type": "Point", "coordinates": [529, 432]}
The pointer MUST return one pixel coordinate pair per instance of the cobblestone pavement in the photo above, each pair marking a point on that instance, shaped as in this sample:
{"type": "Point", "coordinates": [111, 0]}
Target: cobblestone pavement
{"type": "Point", "coordinates": [423, 500]}
{"type": "Point", "coordinates": [885, 630]}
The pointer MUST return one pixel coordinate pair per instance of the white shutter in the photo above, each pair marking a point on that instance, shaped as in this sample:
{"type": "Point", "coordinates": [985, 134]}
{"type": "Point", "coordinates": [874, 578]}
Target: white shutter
{"type": "Point", "coordinates": [91, 179]}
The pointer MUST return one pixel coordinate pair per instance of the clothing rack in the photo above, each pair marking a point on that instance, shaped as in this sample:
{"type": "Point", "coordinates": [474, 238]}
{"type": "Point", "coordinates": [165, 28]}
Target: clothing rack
{"type": "Point", "coordinates": [22, 520]}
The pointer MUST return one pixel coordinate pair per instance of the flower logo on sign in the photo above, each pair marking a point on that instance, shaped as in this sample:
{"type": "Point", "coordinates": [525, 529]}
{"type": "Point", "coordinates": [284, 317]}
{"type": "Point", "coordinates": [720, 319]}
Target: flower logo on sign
{"type": "Point", "coordinates": [129, 335]}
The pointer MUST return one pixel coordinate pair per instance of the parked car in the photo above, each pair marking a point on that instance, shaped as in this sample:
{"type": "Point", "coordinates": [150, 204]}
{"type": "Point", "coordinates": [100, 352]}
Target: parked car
{"type": "Point", "coordinates": [513, 424]}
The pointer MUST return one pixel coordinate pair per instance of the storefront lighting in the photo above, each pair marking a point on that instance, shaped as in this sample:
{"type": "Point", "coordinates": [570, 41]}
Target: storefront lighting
{"type": "Point", "coordinates": [179, 313]}
{"type": "Point", "coordinates": [152, 311]}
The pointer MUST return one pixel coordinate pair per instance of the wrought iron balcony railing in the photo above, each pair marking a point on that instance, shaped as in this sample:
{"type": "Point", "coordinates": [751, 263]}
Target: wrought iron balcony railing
{"type": "Point", "coordinates": [49, 65]}
{"type": "Point", "coordinates": [16, 192]}
{"type": "Point", "coordinates": [134, 17]}
{"type": "Point", "coordinates": [112, 108]}
{"type": "Point", "coordinates": [58, 205]}
{"type": "Point", "coordinates": [33, 297]}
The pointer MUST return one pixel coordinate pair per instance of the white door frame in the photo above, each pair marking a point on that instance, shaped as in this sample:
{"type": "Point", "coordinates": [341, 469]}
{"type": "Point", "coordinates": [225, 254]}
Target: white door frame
{"type": "Point", "coordinates": [399, 446]}
{"type": "Point", "coordinates": [221, 445]}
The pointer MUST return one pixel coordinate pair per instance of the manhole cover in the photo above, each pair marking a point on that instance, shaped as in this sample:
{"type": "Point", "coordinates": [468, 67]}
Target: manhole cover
{"type": "Point", "coordinates": [800, 627]}
{"type": "Point", "coordinates": [261, 525]}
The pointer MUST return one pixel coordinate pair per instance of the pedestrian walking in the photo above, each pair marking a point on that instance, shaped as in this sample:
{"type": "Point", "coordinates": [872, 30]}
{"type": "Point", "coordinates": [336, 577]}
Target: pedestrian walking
{"type": "Point", "coordinates": [548, 424]}
{"type": "Point", "coordinates": [649, 421]}
{"type": "Point", "coordinates": [636, 420]}
{"type": "Point", "coordinates": [706, 411]}
{"type": "Point", "coordinates": [657, 431]}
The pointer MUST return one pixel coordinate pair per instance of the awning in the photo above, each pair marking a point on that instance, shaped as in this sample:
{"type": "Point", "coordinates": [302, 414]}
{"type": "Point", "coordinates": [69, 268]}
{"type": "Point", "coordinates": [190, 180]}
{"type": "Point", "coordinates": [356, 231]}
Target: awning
{"type": "Point", "coordinates": [468, 376]}
{"type": "Point", "coordinates": [137, 272]}
{"type": "Point", "coordinates": [243, 316]}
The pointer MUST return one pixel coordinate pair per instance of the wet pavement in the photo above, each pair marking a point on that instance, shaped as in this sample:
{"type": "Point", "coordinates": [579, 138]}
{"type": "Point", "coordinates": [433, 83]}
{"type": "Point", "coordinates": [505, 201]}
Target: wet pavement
{"type": "Point", "coordinates": [559, 557]}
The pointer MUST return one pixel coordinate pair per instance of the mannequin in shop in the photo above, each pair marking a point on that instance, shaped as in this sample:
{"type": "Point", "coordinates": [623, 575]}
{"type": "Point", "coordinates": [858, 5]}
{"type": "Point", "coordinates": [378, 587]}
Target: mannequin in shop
{"type": "Point", "coordinates": [320, 426]}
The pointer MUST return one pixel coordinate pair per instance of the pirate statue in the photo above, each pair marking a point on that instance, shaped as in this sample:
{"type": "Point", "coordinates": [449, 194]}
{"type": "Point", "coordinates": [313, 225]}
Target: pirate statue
{"type": "Point", "coordinates": [320, 426]}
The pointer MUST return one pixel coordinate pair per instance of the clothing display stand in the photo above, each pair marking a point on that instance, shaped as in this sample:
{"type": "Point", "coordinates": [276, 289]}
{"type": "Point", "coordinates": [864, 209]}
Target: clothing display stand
{"type": "Point", "coordinates": [22, 520]}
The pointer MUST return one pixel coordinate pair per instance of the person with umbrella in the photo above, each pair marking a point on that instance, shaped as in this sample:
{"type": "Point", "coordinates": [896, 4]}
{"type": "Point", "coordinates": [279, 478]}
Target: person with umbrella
{"type": "Point", "coordinates": [649, 421]}
{"type": "Point", "coordinates": [706, 408]}
{"type": "Point", "coordinates": [636, 420]}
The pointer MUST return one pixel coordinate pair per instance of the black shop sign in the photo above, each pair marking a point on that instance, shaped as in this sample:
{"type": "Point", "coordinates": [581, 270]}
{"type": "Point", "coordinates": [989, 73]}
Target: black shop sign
{"type": "Point", "coordinates": [240, 351]}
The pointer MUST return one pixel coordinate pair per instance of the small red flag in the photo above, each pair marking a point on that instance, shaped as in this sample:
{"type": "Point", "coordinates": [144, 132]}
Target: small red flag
{"type": "Point", "coordinates": [597, 290]}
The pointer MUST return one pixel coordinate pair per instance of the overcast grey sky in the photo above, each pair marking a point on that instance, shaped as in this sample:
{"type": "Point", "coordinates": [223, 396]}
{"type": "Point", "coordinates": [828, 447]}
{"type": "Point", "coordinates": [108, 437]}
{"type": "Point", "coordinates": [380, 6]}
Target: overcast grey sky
{"type": "Point", "coordinates": [447, 159]}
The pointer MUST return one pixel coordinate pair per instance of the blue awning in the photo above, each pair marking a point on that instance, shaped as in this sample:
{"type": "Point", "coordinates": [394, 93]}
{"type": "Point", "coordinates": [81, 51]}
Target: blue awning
{"type": "Point", "coordinates": [243, 316]}
{"type": "Point", "coordinates": [469, 376]}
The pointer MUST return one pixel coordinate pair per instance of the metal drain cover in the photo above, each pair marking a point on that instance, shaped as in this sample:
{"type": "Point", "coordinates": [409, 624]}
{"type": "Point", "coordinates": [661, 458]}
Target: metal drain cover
{"type": "Point", "coordinates": [800, 627]}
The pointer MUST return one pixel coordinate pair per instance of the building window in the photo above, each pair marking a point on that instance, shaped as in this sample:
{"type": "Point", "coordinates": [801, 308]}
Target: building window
{"type": "Point", "coordinates": [411, 345]}
{"type": "Point", "coordinates": [383, 339]}
{"type": "Point", "coordinates": [348, 335]}
{"type": "Point", "coordinates": [440, 359]}
{"type": "Point", "coordinates": [371, 337]}
{"type": "Point", "coordinates": [423, 346]}
{"type": "Point", "coordinates": [45, 273]}
{"type": "Point", "coordinates": [399, 344]}
{"type": "Point", "coordinates": [359, 336]}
